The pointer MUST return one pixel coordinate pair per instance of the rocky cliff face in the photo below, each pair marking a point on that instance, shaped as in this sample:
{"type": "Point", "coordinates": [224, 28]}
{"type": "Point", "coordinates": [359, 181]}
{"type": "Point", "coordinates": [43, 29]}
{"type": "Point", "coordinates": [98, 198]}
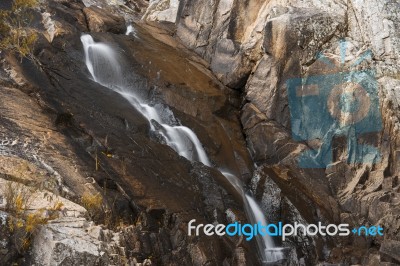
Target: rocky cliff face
{"type": "Point", "coordinates": [259, 48]}
{"type": "Point", "coordinates": [104, 190]}
{"type": "Point", "coordinates": [68, 139]}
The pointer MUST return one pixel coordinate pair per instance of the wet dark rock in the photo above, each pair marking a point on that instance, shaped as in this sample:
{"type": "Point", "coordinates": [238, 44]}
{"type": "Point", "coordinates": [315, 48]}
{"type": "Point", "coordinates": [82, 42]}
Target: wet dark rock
{"type": "Point", "coordinates": [100, 20]}
{"type": "Point", "coordinates": [69, 14]}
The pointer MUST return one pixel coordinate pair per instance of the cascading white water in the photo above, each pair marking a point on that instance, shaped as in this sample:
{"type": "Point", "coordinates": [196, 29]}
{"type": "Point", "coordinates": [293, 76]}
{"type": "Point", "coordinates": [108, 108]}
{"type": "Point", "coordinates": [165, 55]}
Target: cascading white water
{"type": "Point", "coordinates": [102, 63]}
{"type": "Point", "coordinates": [130, 29]}
{"type": "Point", "coordinates": [176, 136]}
{"type": "Point", "coordinates": [101, 58]}
{"type": "Point", "coordinates": [265, 244]}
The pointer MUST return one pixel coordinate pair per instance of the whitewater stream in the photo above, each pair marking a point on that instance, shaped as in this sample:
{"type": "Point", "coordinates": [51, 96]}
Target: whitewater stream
{"type": "Point", "coordinates": [103, 64]}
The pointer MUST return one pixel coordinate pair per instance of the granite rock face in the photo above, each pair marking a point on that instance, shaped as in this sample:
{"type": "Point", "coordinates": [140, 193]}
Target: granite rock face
{"type": "Point", "coordinates": [260, 46]}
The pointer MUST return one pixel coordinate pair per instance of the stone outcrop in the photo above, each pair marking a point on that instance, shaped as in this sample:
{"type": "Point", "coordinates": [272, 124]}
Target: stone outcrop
{"type": "Point", "coordinates": [71, 241]}
{"type": "Point", "coordinates": [40, 200]}
{"type": "Point", "coordinates": [162, 10]}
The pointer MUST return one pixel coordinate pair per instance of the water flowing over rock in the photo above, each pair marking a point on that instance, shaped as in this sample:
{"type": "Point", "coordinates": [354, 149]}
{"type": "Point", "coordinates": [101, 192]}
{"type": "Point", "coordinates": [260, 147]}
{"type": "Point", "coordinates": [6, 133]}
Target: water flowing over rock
{"type": "Point", "coordinates": [106, 70]}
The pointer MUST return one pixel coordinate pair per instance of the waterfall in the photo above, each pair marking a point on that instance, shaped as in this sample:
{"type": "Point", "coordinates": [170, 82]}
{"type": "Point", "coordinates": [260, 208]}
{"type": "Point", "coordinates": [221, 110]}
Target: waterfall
{"type": "Point", "coordinates": [102, 63]}
{"type": "Point", "coordinates": [265, 244]}
{"type": "Point", "coordinates": [130, 29]}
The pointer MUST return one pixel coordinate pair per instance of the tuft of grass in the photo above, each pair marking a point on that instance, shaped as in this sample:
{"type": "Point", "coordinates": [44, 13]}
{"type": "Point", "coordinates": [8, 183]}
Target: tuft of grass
{"type": "Point", "coordinates": [93, 203]}
{"type": "Point", "coordinates": [15, 34]}
{"type": "Point", "coordinates": [23, 224]}
{"type": "Point", "coordinates": [18, 198]}
{"type": "Point", "coordinates": [103, 212]}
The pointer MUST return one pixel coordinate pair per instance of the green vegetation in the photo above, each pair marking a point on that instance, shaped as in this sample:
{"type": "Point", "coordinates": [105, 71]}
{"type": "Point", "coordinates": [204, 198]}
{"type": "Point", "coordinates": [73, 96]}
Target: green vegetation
{"type": "Point", "coordinates": [15, 34]}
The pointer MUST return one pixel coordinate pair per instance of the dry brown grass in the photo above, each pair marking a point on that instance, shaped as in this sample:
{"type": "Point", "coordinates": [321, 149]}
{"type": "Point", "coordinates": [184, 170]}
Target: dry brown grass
{"type": "Point", "coordinates": [93, 203]}
{"type": "Point", "coordinates": [15, 34]}
{"type": "Point", "coordinates": [22, 223]}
